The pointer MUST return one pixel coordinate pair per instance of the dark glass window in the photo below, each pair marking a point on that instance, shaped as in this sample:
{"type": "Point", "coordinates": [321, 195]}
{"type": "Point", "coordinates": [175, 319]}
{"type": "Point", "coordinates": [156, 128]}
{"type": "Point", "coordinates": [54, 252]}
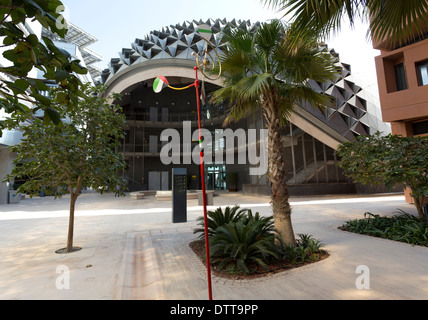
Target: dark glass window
{"type": "Point", "coordinates": [420, 128]}
{"type": "Point", "coordinates": [400, 77]}
{"type": "Point", "coordinates": [422, 71]}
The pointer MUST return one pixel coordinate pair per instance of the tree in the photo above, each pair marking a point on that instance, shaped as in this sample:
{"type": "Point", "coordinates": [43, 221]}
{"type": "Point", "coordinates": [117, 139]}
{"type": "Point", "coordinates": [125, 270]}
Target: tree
{"type": "Point", "coordinates": [400, 20]}
{"type": "Point", "coordinates": [25, 53]}
{"type": "Point", "coordinates": [264, 70]}
{"type": "Point", "coordinates": [80, 152]}
{"type": "Point", "coordinates": [390, 161]}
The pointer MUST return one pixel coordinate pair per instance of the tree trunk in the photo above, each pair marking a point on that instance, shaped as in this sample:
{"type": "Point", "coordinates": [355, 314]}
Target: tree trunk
{"type": "Point", "coordinates": [73, 198]}
{"type": "Point", "coordinates": [419, 203]}
{"type": "Point", "coordinates": [71, 224]}
{"type": "Point", "coordinates": [277, 175]}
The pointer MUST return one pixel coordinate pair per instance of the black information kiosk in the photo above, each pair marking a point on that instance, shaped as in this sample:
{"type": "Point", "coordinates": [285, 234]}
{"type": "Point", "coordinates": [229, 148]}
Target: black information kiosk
{"type": "Point", "coordinates": [179, 195]}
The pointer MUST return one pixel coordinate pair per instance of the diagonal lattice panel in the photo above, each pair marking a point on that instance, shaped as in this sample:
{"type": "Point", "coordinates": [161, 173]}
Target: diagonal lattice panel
{"type": "Point", "coordinates": [354, 112]}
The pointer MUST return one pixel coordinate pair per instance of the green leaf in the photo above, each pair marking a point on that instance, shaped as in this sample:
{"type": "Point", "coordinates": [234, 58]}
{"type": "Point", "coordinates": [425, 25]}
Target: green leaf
{"type": "Point", "coordinates": [22, 84]}
{"type": "Point", "coordinates": [12, 29]}
{"type": "Point", "coordinates": [61, 75]}
{"type": "Point", "coordinates": [9, 41]}
{"type": "Point", "coordinates": [76, 67]}
{"type": "Point", "coordinates": [41, 86]}
{"type": "Point", "coordinates": [42, 99]}
{"type": "Point", "coordinates": [53, 115]}
{"type": "Point", "coordinates": [32, 39]}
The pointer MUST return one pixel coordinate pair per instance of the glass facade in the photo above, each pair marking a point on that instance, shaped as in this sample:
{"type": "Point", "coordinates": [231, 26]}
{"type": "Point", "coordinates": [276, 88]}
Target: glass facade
{"type": "Point", "coordinates": [308, 160]}
{"type": "Point", "coordinates": [309, 144]}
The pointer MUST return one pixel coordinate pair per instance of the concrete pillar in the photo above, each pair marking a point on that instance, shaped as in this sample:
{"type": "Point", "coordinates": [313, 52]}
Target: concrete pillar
{"type": "Point", "coordinates": [5, 169]}
{"type": "Point", "coordinates": [402, 129]}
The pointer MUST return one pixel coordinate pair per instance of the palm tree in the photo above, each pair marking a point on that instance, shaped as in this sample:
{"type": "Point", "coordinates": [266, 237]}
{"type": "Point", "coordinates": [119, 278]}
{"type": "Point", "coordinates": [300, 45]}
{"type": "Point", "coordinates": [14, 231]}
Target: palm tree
{"type": "Point", "coordinates": [400, 21]}
{"type": "Point", "coordinates": [262, 70]}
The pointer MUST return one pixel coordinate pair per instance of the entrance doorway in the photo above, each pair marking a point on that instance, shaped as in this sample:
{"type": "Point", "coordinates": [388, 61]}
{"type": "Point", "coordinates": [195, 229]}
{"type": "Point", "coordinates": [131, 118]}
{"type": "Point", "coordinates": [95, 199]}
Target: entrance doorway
{"type": "Point", "coordinates": [216, 177]}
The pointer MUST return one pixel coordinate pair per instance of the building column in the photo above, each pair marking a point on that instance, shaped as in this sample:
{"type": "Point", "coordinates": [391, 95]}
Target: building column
{"type": "Point", "coordinates": [5, 169]}
{"type": "Point", "coordinates": [402, 129]}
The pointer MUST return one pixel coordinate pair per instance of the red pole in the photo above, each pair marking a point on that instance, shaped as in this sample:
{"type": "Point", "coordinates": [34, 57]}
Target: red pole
{"type": "Point", "coordinates": [204, 195]}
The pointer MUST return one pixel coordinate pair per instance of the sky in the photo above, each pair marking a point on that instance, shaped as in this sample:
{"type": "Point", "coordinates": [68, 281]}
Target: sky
{"type": "Point", "coordinates": [116, 24]}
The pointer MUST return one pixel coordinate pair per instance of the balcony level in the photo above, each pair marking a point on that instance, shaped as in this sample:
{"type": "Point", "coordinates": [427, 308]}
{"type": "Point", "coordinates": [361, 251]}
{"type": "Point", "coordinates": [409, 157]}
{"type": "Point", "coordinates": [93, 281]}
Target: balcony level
{"type": "Point", "coordinates": [162, 118]}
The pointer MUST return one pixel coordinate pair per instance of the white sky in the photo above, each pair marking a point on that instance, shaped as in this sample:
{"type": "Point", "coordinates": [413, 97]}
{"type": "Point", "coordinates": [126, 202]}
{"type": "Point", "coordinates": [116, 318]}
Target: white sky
{"type": "Point", "coordinates": [116, 24]}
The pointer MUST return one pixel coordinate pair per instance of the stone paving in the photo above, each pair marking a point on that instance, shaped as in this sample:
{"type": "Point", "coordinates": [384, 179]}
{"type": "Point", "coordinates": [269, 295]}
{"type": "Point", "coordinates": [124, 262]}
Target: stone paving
{"type": "Point", "coordinates": [132, 251]}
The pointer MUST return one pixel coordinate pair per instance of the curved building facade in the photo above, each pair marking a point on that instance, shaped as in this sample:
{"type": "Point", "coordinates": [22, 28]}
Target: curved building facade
{"type": "Point", "coordinates": [310, 138]}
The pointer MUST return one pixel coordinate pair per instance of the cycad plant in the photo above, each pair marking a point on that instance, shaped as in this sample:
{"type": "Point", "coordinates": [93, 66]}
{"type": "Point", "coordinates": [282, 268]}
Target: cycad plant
{"type": "Point", "coordinates": [247, 242]}
{"type": "Point", "coordinates": [266, 70]}
{"type": "Point", "coordinates": [219, 218]}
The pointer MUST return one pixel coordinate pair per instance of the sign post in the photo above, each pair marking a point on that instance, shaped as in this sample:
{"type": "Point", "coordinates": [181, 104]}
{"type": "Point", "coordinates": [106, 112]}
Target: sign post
{"type": "Point", "coordinates": [179, 195]}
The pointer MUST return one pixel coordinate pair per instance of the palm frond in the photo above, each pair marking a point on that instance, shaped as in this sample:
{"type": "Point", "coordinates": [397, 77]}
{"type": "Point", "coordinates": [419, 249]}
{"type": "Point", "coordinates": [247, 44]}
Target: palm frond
{"type": "Point", "coordinates": [254, 86]}
{"type": "Point", "coordinates": [244, 96]}
{"type": "Point", "coordinates": [267, 36]}
{"type": "Point", "coordinates": [266, 67]}
{"type": "Point", "coordinates": [402, 21]}
{"type": "Point", "coordinates": [304, 59]}
{"type": "Point", "coordinates": [249, 239]}
{"type": "Point", "coordinates": [241, 111]}
{"type": "Point", "coordinates": [319, 16]}
{"type": "Point", "coordinates": [238, 58]}
{"type": "Point", "coordinates": [218, 218]}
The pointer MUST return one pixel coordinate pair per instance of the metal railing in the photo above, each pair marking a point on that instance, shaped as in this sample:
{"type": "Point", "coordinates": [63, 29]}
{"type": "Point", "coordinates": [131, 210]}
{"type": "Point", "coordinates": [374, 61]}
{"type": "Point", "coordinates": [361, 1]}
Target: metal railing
{"type": "Point", "coordinates": [215, 113]}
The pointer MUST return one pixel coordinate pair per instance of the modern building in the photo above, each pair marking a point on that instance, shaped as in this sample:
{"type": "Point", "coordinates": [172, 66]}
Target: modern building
{"type": "Point", "coordinates": [403, 85]}
{"type": "Point", "coordinates": [11, 137]}
{"type": "Point", "coordinates": [310, 139]}
{"type": "Point", "coordinates": [76, 43]}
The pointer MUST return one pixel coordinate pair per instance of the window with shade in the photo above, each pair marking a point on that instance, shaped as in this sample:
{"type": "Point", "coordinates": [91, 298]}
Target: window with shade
{"type": "Point", "coordinates": [422, 72]}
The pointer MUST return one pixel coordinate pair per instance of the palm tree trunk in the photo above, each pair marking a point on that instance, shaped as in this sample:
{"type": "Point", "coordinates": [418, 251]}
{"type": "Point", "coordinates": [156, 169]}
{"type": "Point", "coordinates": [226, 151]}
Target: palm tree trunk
{"type": "Point", "coordinates": [277, 175]}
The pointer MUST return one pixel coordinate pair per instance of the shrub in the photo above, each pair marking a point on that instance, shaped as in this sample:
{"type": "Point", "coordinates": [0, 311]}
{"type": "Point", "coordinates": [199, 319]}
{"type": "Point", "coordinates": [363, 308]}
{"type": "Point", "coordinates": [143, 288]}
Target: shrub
{"type": "Point", "coordinates": [244, 242]}
{"type": "Point", "coordinates": [219, 218]}
{"type": "Point", "coordinates": [306, 249]}
{"type": "Point", "coordinates": [248, 241]}
{"type": "Point", "coordinates": [390, 160]}
{"type": "Point", "coordinates": [403, 227]}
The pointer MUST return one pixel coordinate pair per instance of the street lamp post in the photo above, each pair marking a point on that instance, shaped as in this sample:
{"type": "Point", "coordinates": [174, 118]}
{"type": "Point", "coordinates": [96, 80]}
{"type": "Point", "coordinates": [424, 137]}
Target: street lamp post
{"type": "Point", "coordinates": [205, 63]}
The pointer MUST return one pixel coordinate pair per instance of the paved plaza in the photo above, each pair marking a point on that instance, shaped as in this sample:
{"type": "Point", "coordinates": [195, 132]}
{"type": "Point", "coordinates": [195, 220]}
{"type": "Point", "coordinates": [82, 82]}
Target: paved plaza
{"type": "Point", "coordinates": [131, 250]}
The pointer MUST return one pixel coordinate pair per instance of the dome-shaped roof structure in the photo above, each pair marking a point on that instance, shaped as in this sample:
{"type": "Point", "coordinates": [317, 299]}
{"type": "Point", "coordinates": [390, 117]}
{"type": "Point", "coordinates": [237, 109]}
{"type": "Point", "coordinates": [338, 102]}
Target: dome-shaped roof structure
{"type": "Point", "coordinates": [355, 113]}
{"type": "Point", "coordinates": [174, 42]}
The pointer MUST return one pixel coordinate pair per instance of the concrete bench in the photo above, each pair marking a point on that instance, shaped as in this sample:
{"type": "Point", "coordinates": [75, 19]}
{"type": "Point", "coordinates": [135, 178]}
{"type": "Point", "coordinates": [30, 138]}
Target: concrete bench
{"type": "Point", "coordinates": [137, 195]}
{"type": "Point", "coordinates": [167, 195]}
{"type": "Point", "coordinates": [192, 194]}
{"type": "Point", "coordinates": [163, 195]}
{"type": "Point", "coordinates": [210, 198]}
